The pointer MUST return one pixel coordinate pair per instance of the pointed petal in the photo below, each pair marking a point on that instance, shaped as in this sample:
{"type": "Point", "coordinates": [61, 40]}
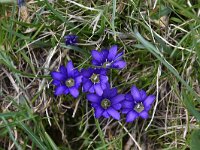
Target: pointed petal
{"type": "Point", "coordinates": [98, 89]}
{"type": "Point", "coordinates": [93, 98]}
{"type": "Point", "coordinates": [70, 68]}
{"type": "Point", "coordinates": [96, 63]}
{"type": "Point", "coordinates": [87, 72]}
{"type": "Point", "coordinates": [91, 90]}
{"type": "Point", "coordinates": [136, 94]}
{"type": "Point", "coordinates": [125, 110]}
{"type": "Point", "coordinates": [117, 106]}
{"type": "Point", "coordinates": [127, 104]}
{"type": "Point", "coordinates": [144, 114]}
{"type": "Point", "coordinates": [112, 53]}
{"type": "Point", "coordinates": [103, 78]}
{"type": "Point", "coordinates": [117, 99]}
{"type": "Point", "coordinates": [105, 114]}
{"type": "Point", "coordinates": [143, 94]}
{"type": "Point", "coordinates": [129, 97]}
{"type": "Point", "coordinates": [58, 76]}
{"type": "Point", "coordinates": [110, 93]}
{"type": "Point", "coordinates": [105, 53]}
{"type": "Point", "coordinates": [119, 64]}
{"type": "Point", "coordinates": [97, 56]}
{"type": "Point", "coordinates": [66, 91]}
{"type": "Point", "coordinates": [78, 81]}
{"type": "Point", "coordinates": [115, 114]}
{"type": "Point", "coordinates": [119, 56]}
{"type": "Point", "coordinates": [60, 90]}
{"type": "Point", "coordinates": [56, 82]}
{"type": "Point", "coordinates": [148, 101]}
{"type": "Point", "coordinates": [98, 112]}
{"type": "Point", "coordinates": [74, 91]}
{"type": "Point", "coordinates": [131, 116]}
{"type": "Point", "coordinates": [63, 70]}
{"type": "Point", "coordinates": [87, 85]}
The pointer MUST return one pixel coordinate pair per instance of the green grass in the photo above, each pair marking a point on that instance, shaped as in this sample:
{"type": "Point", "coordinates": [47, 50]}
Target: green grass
{"type": "Point", "coordinates": [161, 40]}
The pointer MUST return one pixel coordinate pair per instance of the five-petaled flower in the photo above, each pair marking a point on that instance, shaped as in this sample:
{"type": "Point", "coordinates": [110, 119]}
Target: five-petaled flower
{"type": "Point", "coordinates": [95, 80]}
{"type": "Point", "coordinates": [70, 39]}
{"type": "Point", "coordinates": [67, 80]}
{"type": "Point", "coordinates": [137, 104]}
{"type": "Point", "coordinates": [108, 58]}
{"type": "Point", "coordinates": [108, 104]}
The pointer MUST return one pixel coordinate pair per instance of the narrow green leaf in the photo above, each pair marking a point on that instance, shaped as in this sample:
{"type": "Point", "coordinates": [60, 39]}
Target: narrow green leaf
{"type": "Point", "coordinates": [33, 137]}
{"type": "Point", "coordinates": [195, 140]}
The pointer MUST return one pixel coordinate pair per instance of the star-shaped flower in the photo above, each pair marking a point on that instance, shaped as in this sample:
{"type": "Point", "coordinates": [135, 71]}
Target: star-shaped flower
{"type": "Point", "coordinates": [108, 104]}
{"type": "Point", "coordinates": [67, 80]}
{"type": "Point", "coordinates": [108, 58]}
{"type": "Point", "coordinates": [94, 80]}
{"type": "Point", "coordinates": [137, 104]}
{"type": "Point", "coordinates": [71, 39]}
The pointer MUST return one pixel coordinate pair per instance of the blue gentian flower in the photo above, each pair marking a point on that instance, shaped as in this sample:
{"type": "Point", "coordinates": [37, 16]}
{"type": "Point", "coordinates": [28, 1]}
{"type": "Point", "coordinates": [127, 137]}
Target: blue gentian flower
{"type": "Point", "coordinates": [20, 3]}
{"type": "Point", "coordinates": [108, 104]}
{"type": "Point", "coordinates": [137, 104]}
{"type": "Point", "coordinates": [108, 58]}
{"type": "Point", "coordinates": [67, 80]}
{"type": "Point", "coordinates": [94, 80]}
{"type": "Point", "coordinates": [71, 39]}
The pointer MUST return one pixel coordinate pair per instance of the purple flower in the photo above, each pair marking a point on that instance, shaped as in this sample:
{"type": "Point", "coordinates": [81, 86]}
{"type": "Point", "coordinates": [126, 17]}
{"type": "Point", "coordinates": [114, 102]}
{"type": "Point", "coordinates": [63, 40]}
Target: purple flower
{"type": "Point", "coordinates": [108, 58]}
{"type": "Point", "coordinates": [108, 104]}
{"type": "Point", "coordinates": [137, 104]}
{"type": "Point", "coordinates": [94, 80]}
{"type": "Point", "coordinates": [71, 39]}
{"type": "Point", "coordinates": [67, 80]}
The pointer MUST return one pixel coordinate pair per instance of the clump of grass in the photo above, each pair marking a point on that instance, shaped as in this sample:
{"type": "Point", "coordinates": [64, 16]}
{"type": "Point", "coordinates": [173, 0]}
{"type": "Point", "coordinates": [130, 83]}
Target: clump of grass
{"type": "Point", "coordinates": [161, 43]}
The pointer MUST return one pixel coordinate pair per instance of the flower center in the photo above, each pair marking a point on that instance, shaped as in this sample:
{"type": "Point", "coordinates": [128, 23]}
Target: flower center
{"type": "Point", "coordinates": [106, 64]}
{"type": "Point", "coordinates": [95, 78]}
{"type": "Point", "coordinates": [70, 82]}
{"type": "Point", "coordinates": [105, 103]}
{"type": "Point", "coordinates": [139, 107]}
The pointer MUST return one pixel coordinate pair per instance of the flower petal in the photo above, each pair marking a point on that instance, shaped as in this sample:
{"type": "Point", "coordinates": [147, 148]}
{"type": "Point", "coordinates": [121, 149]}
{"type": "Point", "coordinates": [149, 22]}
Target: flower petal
{"type": "Point", "coordinates": [70, 68]}
{"type": "Point", "coordinates": [105, 53]}
{"type": "Point", "coordinates": [78, 81]}
{"type": "Point", "coordinates": [91, 90]}
{"type": "Point", "coordinates": [129, 97]}
{"type": "Point", "coordinates": [63, 70]}
{"type": "Point", "coordinates": [127, 104]}
{"type": "Point", "coordinates": [148, 101]}
{"type": "Point", "coordinates": [119, 64]}
{"type": "Point", "coordinates": [98, 89]}
{"type": "Point", "coordinates": [74, 91]}
{"type": "Point", "coordinates": [143, 94]}
{"type": "Point", "coordinates": [144, 114]}
{"type": "Point", "coordinates": [98, 112]}
{"type": "Point", "coordinates": [96, 63]}
{"type": "Point", "coordinates": [56, 82]}
{"type": "Point", "coordinates": [112, 53]}
{"type": "Point", "coordinates": [125, 110]}
{"type": "Point", "coordinates": [60, 90]}
{"type": "Point", "coordinates": [66, 91]}
{"type": "Point", "coordinates": [87, 72]}
{"type": "Point", "coordinates": [115, 114]}
{"type": "Point", "coordinates": [103, 78]}
{"type": "Point", "coordinates": [87, 85]}
{"type": "Point", "coordinates": [131, 116]}
{"type": "Point", "coordinates": [58, 76]}
{"type": "Point", "coordinates": [117, 99]}
{"type": "Point", "coordinates": [97, 56]}
{"type": "Point", "coordinates": [93, 98]}
{"type": "Point", "coordinates": [117, 106]}
{"type": "Point", "coordinates": [105, 114]}
{"type": "Point", "coordinates": [109, 93]}
{"type": "Point", "coordinates": [136, 94]}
